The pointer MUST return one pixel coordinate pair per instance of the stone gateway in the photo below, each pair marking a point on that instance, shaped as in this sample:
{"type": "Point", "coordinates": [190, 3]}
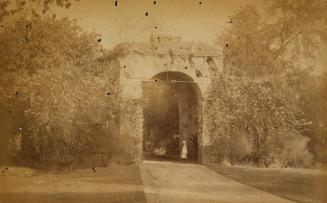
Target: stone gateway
{"type": "Point", "coordinates": [145, 68]}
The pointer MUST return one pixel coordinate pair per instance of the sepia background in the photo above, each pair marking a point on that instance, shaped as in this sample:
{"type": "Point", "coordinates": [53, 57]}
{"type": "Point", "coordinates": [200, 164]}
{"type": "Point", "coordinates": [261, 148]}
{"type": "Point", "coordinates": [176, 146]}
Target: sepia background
{"type": "Point", "coordinates": [100, 99]}
{"type": "Point", "coordinates": [189, 19]}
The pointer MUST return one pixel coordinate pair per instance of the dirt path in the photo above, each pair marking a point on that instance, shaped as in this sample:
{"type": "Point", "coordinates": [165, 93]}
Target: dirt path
{"type": "Point", "coordinates": [177, 182]}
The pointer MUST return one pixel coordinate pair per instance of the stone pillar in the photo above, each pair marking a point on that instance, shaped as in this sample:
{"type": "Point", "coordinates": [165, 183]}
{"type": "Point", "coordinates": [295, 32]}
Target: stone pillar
{"type": "Point", "coordinates": [131, 123]}
{"type": "Point", "coordinates": [200, 135]}
{"type": "Point", "coordinates": [131, 129]}
{"type": "Point", "coordinates": [206, 156]}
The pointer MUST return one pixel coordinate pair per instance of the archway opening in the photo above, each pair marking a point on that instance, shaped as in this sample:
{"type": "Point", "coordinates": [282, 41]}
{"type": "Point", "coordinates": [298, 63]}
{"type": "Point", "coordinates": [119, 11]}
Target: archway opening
{"type": "Point", "coordinates": [172, 114]}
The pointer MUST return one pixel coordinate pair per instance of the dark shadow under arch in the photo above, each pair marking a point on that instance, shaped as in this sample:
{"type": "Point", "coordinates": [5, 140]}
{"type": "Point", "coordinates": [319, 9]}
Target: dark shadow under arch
{"type": "Point", "coordinates": [172, 113]}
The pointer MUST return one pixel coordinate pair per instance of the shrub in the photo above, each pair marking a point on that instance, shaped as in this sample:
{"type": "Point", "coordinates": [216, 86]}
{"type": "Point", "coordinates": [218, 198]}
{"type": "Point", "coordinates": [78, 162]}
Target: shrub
{"type": "Point", "coordinates": [292, 152]}
{"type": "Point", "coordinates": [232, 148]}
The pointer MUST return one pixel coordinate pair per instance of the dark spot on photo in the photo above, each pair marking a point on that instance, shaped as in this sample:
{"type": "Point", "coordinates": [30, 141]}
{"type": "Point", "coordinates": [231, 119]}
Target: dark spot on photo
{"type": "Point", "coordinates": [108, 93]}
{"type": "Point", "coordinates": [146, 13]}
{"type": "Point", "coordinates": [10, 111]}
{"type": "Point", "coordinates": [198, 73]}
{"type": "Point", "coordinates": [185, 67]}
{"type": "Point", "coordinates": [155, 80]}
{"type": "Point", "coordinates": [116, 3]}
{"type": "Point", "coordinates": [155, 27]}
{"type": "Point", "coordinates": [227, 45]}
{"type": "Point", "coordinates": [155, 2]}
{"type": "Point", "coordinates": [200, 2]}
{"type": "Point", "coordinates": [124, 66]}
{"type": "Point", "coordinates": [99, 40]}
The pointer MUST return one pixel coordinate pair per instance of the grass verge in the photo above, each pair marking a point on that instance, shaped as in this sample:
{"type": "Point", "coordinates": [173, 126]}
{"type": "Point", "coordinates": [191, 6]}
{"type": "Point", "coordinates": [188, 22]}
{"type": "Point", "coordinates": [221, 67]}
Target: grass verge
{"type": "Point", "coordinates": [301, 185]}
{"type": "Point", "coordinates": [112, 184]}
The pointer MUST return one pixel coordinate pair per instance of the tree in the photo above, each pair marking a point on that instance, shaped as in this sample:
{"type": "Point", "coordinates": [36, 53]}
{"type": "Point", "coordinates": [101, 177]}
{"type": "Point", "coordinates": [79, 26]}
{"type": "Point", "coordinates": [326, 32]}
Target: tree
{"type": "Point", "coordinates": [318, 132]}
{"type": "Point", "coordinates": [266, 54]}
{"type": "Point", "coordinates": [258, 111]}
{"type": "Point", "coordinates": [285, 37]}
{"type": "Point", "coordinates": [29, 8]}
{"type": "Point", "coordinates": [49, 76]}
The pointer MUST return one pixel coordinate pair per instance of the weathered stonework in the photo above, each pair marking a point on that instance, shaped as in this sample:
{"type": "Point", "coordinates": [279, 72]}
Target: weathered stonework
{"type": "Point", "coordinates": [141, 62]}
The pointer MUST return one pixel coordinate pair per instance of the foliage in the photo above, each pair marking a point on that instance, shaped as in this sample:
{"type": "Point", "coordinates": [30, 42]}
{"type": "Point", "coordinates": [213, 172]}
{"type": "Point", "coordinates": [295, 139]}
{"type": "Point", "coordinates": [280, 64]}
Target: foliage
{"type": "Point", "coordinates": [160, 130]}
{"type": "Point", "coordinates": [260, 97]}
{"type": "Point", "coordinates": [62, 99]}
{"type": "Point", "coordinates": [30, 8]}
{"type": "Point", "coordinates": [291, 151]}
{"type": "Point", "coordinates": [45, 43]}
{"type": "Point", "coordinates": [68, 115]}
{"type": "Point", "coordinates": [12, 107]}
{"type": "Point", "coordinates": [234, 148]}
{"type": "Point", "coordinates": [319, 130]}
{"type": "Point", "coordinates": [256, 113]}
{"type": "Point", "coordinates": [285, 37]}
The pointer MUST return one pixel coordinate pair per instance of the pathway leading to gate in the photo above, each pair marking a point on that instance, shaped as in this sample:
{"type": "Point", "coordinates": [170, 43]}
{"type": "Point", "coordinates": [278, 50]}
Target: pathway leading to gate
{"type": "Point", "coordinates": [179, 182]}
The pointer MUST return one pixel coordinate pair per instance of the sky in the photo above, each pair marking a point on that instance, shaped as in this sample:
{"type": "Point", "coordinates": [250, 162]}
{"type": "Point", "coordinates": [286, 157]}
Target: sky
{"type": "Point", "coordinates": [127, 21]}
{"type": "Point", "coordinates": [194, 20]}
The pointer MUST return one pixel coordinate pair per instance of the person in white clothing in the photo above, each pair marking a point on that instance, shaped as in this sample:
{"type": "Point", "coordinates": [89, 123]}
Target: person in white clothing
{"type": "Point", "coordinates": [184, 150]}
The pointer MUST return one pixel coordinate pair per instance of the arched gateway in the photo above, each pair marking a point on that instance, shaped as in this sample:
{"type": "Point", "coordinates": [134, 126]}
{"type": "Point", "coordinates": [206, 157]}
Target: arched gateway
{"type": "Point", "coordinates": [165, 73]}
{"type": "Point", "coordinates": [172, 114]}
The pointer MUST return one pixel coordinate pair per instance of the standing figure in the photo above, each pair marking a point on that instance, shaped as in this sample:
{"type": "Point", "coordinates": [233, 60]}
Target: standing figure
{"type": "Point", "coordinates": [184, 150]}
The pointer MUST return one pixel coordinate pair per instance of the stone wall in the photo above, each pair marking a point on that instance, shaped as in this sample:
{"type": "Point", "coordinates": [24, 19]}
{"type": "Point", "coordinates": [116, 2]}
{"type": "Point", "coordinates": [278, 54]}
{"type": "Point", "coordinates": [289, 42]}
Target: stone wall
{"type": "Point", "coordinates": [140, 62]}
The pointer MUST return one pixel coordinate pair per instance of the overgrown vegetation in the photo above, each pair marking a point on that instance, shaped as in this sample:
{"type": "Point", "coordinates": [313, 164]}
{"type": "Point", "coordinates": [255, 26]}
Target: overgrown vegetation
{"type": "Point", "coordinates": [55, 96]}
{"type": "Point", "coordinates": [59, 104]}
{"type": "Point", "coordinates": [269, 103]}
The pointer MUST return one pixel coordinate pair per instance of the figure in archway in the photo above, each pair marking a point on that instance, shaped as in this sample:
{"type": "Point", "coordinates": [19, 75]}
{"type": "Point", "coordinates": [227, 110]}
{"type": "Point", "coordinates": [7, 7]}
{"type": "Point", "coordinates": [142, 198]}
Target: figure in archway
{"type": "Point", "coordinates": [184, 150]}
{"type": "Point", "coordinates": [171, 115]}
